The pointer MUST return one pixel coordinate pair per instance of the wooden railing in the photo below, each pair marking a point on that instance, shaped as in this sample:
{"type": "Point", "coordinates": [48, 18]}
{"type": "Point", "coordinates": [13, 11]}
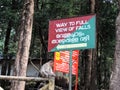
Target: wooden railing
{"type": "Point", "coordinates": [49, 86]}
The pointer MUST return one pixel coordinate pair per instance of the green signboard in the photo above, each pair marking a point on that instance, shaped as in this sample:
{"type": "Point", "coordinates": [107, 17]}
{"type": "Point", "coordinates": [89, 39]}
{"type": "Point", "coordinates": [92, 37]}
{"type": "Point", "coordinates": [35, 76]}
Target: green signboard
{"type": "Point", "coordinates": [72, 33]}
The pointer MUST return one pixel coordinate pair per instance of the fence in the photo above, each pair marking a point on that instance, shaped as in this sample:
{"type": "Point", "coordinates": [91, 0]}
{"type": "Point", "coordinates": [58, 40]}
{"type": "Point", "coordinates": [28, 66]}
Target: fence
{"type": "Point", "coordinates": [49, 86]}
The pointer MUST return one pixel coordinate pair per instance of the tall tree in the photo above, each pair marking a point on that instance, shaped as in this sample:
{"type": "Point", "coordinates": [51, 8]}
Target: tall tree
{"type": "Point", "coordinates": [92, 53]}
{"type": "Point", "coordinates": [89, 56]}
{"type": "Point", "coordinates": [115, 76]}
{"type": "Point", "coordinates": [25, 30]}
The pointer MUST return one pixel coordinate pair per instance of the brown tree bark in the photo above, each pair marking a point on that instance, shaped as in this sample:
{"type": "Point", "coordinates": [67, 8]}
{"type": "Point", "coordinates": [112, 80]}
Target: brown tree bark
{"type": "Point", "coordinates": [90, 60]}
{"type": "Point", "coordinates": [88, 68]}
{"type": "Point", "coordinates": [22, 56]}
{"type": "Point", "coordinates": [115, 76]}
{"type": "Point", "coordinates": [92, 8]}
{"type": "Point", "coordinates": [93, 53]}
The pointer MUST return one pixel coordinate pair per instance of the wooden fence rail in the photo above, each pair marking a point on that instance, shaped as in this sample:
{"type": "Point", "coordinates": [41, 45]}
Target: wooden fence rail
{"type": "Point", "coordinates": [50, 85]}
{"type": "Point", "coordinates": [22, 78]}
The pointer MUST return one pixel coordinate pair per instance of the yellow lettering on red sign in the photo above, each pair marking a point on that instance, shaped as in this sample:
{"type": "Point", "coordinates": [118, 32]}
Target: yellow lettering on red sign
{"type": "Point", "coordinates": [57, 55]}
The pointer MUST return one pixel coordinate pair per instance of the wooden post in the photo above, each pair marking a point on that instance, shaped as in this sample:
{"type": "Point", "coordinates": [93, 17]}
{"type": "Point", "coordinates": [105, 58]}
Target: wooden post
{"type": "Point", "coordinates": [50, 85]}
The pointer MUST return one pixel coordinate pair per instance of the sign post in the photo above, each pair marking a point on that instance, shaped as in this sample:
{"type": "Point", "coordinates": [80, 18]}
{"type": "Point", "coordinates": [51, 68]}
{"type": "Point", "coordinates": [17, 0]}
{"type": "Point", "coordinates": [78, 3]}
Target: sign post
{"type": "Point", "coordinates": [70, 71]}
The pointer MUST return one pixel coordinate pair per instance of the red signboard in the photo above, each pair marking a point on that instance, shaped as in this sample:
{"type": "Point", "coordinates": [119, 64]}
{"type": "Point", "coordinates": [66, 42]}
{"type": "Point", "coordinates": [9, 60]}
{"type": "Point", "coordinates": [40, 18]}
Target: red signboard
{"type": "Point", "coordinates": [72, 33]}
{"type": "Point", "coordinates": [61, 61]}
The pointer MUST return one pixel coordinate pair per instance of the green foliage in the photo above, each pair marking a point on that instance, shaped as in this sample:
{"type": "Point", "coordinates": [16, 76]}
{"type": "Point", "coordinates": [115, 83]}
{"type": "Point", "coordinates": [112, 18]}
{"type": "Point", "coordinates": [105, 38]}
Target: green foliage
{"type": "Point", "coordinates": [1, 46]}
{"type": "Point", "coordinates": [9, 11]}
{"type": "Point", "coordinates": [106, 34]}
{"type": "Point", "coordinates": [57, 9]}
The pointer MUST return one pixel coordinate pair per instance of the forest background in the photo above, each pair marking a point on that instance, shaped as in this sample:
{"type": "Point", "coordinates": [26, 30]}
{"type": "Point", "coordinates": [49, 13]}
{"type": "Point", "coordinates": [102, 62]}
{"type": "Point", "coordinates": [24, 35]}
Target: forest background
{"type": "Point", "coordinates": [94, 65]}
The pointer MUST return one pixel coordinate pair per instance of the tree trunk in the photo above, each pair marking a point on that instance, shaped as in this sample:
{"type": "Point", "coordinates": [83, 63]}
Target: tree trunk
{"type": "Point", "coordinates": [115, 76]}
{"type": "Point", "coordinates": [88, 68]}
{"type": "Point", "coordinates": [23, 44]}
{"type": "Point", "coordinates": [93, 54]}
{"type": "Point", "coordinates": [90, 63]}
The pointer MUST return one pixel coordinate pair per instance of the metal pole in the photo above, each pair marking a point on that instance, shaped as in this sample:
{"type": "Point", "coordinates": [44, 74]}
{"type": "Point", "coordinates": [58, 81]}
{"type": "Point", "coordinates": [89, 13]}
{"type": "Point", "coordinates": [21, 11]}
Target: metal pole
{"type": "Point", "coordinates": [70, 71]}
